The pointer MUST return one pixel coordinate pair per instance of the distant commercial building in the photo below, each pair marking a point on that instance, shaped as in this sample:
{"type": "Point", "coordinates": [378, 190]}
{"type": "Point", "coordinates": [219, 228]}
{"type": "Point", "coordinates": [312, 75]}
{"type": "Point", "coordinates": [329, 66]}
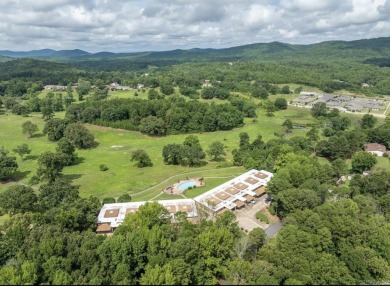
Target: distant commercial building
{"type": "Point", "coordinates": [116, 86]}
{"type": "Point", "coordinates": [309, 93]}
{"type": "Point", "coordinates": [55, 87]}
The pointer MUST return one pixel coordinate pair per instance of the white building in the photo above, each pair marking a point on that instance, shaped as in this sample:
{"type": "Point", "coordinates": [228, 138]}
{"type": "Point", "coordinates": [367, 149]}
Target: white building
{"type": "Point", "coordinates": [308, 93]}
{"type": "Point", "coordinates": [232, 195]}
{"type": "Point", "coordinates": [235, 193]}
{"type": "Point", "coordinates": [375, 149]}
{"type": "Point", "coordinates": [112, 215]}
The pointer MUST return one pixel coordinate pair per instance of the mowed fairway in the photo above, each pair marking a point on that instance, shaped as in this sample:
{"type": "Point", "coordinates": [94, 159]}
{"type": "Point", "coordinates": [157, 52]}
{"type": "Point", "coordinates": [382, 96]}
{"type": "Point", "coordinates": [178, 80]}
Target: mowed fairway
{"type": "Point", "coordinates": [115, 147]}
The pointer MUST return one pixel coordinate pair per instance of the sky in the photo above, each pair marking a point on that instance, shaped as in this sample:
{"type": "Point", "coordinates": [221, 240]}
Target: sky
{"type": "Point", "coordinates": [156, 25]}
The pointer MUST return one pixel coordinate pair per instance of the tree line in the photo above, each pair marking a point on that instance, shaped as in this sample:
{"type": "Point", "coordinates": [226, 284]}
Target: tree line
{"type": "Point", "coordinates": [158, 117]}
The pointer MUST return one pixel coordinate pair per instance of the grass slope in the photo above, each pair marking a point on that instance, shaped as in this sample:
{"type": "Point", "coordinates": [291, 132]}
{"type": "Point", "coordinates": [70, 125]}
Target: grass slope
{"type": "Point", "coordinates": [115, 147]}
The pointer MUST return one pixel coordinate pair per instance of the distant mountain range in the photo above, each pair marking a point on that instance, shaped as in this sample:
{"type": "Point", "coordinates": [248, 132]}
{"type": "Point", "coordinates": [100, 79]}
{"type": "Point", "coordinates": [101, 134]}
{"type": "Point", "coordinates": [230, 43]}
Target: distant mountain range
{"type": "Point", "coordinates": [376, 51]}
{"type": "Point", "coordinates": [44, 53]}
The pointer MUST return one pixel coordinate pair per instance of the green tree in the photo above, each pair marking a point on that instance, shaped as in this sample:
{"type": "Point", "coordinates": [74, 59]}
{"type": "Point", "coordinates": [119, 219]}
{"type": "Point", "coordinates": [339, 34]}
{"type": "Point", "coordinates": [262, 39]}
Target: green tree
{"type": "Point", "coordinates": [298, 90]}
{"type": "Point", "coordinates": [8, 164]}
{"type": "Point", "coordinates": [9, 276]}
{"type": "Point", "coordinates": [191, 140]}
{"type": "Point", "coordinates": [47, 110]}
{"type": "Point", "coordinates": [244, 141]}
{"type": "Point", "coordinates": [68, 99]}
{"type": "Point", "coordinates": [29, 128]}
{"type": "Point", "coordinates": [99, 94]}
{"type": "Point", "coordinates": [288, 124]}
{"type": "Point", "coordinates": [368, 121]}
{"type": "Point", "coordinates": [83, 88]}
{"type": "Point", "coordinates": [291, 200]}
{"type": "Point", "coordinates": [89, 114]}
{"type": "Point", "coordinates": [65, 147]}
{"type": "Point", "coordinates": [319, 109]}
{"type": "Point", "coordinates": [152, 94]}
{"type": "Point", "coordinates": [79, 136]}
{"type": "Point", "coordinates": [280, 103]}
{"type": "Point", "coordinates": [340, 123]}
{"type": "Point", "coordinates": [158, 275]}
{"type": "Point", "coordinates": [109, 200]}
{"type": "Point", "coordinates": [18, 199]}
{"type": "Point", "coordinates": [142, 158]}
{"type": "Point", "coordinates": [20, 109]}
{"type": "Point", "coordinates": [362, 161]}
{"type": "Point", "coordinates": [339, 167]}
{"type": "Point", "coordinates": [334, 112]}
{"type": "Point", "coordinates": [216, 151]}
{"type": "Point", "coordinates": [73, 113]}
{"type": "Point", "coordinates": [172, 154]}
{"type": "Point", "coordinates": [60, 191]}
{"type": "Point", "coordinates": [313, 134]}
{"type": "Point", "coordinates": [54, 128]}
{"type": "Point", "coordinates": [50, 166]}
{"type": "Point", "coordinates": [256, 239]}
{"type": "Point", "coordinates": [269, 107]}
{"type": "Point", "coordinates": [22, 150]}
{"type": "Point", "coordinates": [152, 126]}
{"type": "Point", "coordinates": [124, 198]}
{"type": "Point", "coordinates": [285, 89]}
{"type": "Point", "coordinates": [191, 152]}
{"type": "Point", "coordinates": [259, 92]}
{"type": "Point", "coordinates": [166, 87]}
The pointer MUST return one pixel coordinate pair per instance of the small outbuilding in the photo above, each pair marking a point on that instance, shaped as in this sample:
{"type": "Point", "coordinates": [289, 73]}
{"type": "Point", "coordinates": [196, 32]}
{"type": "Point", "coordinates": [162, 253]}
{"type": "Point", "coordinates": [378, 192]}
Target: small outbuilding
{"type": "Point", "coordinates": [376, 149]}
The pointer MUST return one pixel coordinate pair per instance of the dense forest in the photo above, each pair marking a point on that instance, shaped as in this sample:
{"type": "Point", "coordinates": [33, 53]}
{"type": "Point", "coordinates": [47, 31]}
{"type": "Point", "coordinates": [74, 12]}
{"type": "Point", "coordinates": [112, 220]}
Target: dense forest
{"type": "Point", "coordinates": [332, 233]}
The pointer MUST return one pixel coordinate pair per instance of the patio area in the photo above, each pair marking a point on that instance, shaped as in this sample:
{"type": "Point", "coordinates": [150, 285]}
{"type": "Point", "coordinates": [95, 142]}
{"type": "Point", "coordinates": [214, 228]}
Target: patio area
{"type": "Point", "coordinates": [181, 186]}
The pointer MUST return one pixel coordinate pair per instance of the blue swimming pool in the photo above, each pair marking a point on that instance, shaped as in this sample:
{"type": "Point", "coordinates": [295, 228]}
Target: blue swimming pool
{"type": "Point", "coordinates": [184, 186]}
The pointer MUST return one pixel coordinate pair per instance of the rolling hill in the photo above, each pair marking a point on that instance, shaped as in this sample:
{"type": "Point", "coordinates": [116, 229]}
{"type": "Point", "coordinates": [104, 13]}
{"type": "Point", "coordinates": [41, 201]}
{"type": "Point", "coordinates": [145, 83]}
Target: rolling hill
{"type": "Point", "coordinates": [367, 51]}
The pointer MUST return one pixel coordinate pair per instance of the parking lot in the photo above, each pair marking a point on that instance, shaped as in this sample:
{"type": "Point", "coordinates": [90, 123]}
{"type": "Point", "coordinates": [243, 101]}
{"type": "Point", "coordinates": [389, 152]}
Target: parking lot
{"type": "Point", "coordinates": [246, 217]}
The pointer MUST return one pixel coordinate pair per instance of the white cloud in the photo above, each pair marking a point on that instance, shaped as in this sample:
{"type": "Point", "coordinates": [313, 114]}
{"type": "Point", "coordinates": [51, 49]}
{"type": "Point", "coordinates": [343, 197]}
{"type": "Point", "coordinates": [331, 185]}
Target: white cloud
{"type": "Point", "coordinates": [123, 25]}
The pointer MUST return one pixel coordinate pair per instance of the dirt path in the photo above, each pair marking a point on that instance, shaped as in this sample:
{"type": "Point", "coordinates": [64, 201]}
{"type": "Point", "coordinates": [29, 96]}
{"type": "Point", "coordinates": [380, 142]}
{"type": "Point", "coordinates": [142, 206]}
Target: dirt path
{"type": "Point", "coordinates": [384, 113]}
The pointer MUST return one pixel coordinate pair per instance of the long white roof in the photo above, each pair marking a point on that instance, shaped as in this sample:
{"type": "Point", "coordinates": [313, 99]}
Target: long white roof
{"type": "Point", "coordinates": [115, 213]}
{"type": "Point", "coordinates": [241, 187]}
{"type": "Point", "coordinates": [204, 199]}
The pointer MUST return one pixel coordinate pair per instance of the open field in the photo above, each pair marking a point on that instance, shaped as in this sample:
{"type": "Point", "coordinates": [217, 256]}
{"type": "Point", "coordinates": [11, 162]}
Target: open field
{"type": "Point", "coordinates": [115, 147]}
{"type": "Point", "coordinates": [383, 163]}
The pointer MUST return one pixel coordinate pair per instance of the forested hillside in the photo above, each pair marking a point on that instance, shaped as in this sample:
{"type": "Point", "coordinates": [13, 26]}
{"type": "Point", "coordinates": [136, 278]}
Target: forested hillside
{"type": "Point", "coordinates": [329, 66]}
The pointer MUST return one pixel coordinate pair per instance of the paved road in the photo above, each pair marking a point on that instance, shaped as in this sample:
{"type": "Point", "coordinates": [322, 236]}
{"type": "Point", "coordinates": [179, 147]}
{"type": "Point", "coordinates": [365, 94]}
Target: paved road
{"type": "Point", "coordinates": [273, 229]}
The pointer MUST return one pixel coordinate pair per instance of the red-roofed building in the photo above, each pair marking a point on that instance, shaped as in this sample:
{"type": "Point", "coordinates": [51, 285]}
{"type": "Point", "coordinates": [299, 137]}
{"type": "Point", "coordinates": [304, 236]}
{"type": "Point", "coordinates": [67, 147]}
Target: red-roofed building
{"type": "Point", "coordinates": [375, 148]}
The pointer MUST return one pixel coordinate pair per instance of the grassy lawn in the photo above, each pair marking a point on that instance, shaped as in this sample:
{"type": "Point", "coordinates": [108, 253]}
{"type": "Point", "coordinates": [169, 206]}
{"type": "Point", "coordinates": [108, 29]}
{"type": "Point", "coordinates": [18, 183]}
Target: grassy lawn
{"type": "Point", "coordinates": [262, 217]}
{"type": "Point", "coordinates": [164, 196]}
{"type": "Point", "coordinates": [212, 178]}
{"type": "Point", "coordinates": [115, 147]}
{"type": "Point", "coordinates": [383, 163]}
{"type": "Point", "coordinates": [122, 176]}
